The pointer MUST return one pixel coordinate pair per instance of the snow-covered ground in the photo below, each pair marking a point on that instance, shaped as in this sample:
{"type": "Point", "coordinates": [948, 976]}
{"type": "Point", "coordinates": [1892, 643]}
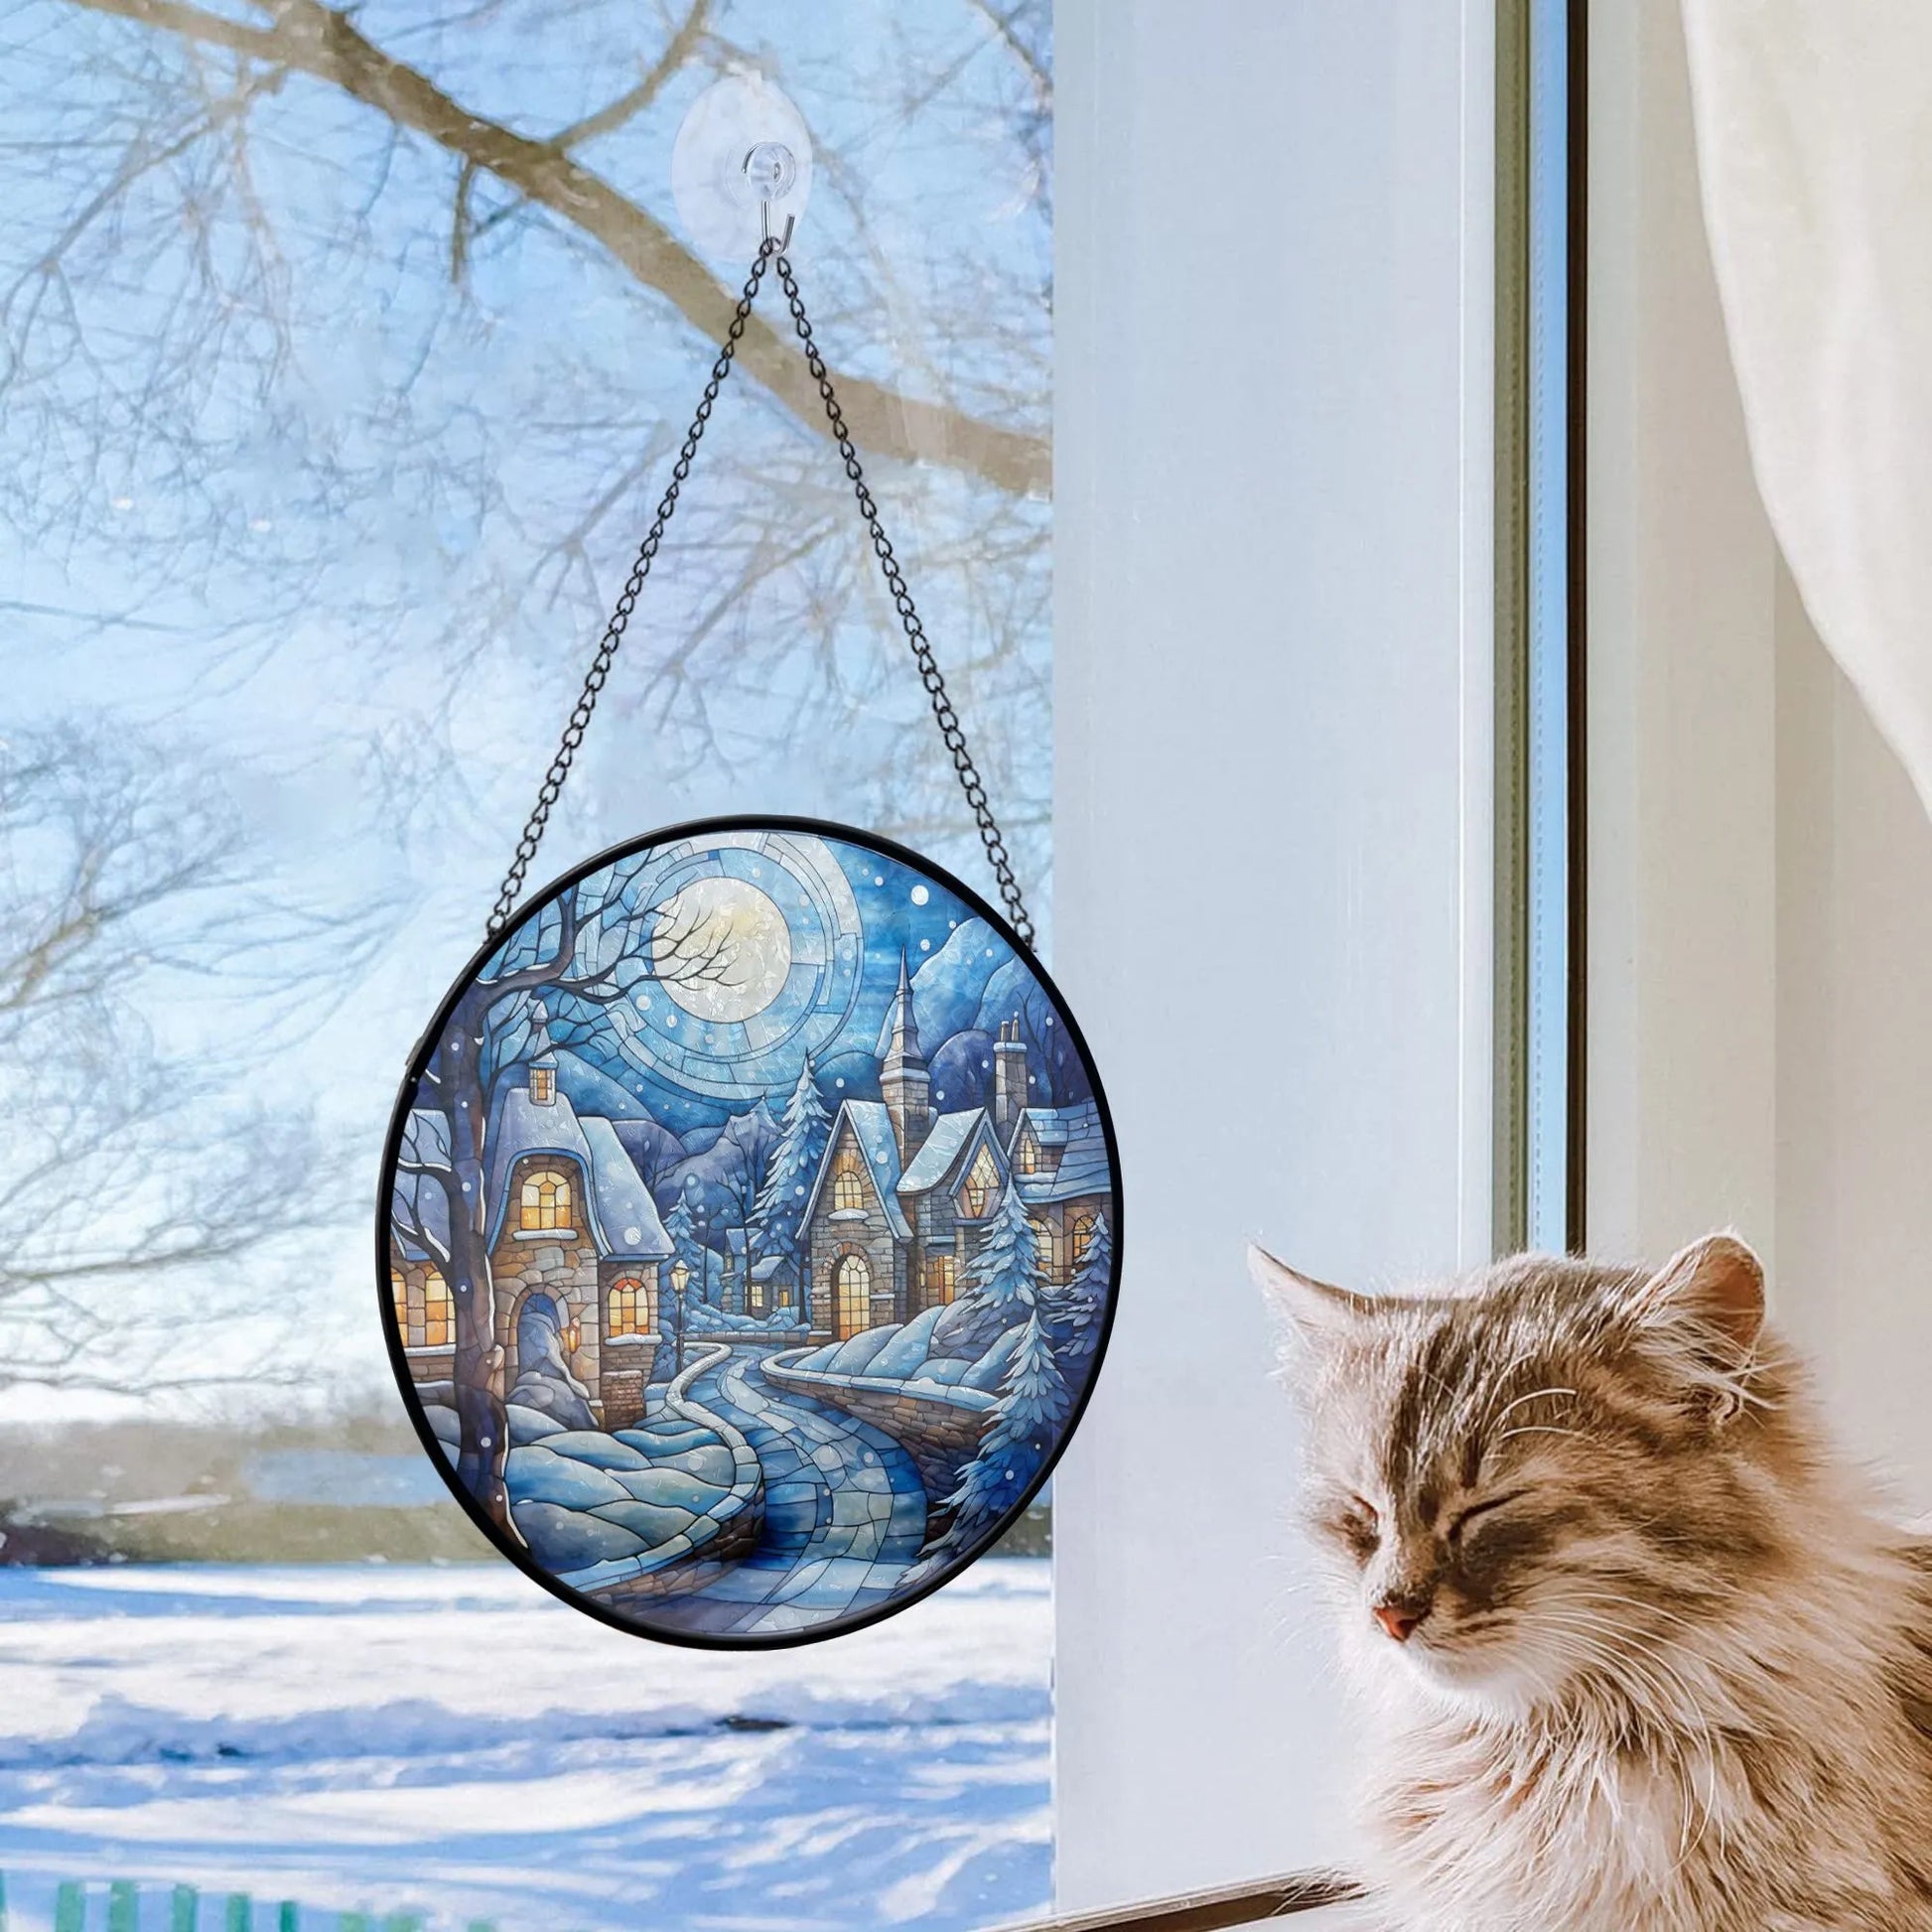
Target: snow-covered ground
{"type": "Point", "coordinates": [450, 1741]}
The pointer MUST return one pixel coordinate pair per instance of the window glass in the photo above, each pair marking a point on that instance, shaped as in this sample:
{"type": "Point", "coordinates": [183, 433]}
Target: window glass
{"type": "Point", "coordinates": [344, 363]}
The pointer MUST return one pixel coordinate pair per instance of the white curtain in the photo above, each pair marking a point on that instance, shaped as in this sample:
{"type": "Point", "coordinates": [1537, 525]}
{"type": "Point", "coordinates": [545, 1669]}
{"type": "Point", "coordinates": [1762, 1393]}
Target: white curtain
{"type": "Point", "coordinates": [1813, 130]}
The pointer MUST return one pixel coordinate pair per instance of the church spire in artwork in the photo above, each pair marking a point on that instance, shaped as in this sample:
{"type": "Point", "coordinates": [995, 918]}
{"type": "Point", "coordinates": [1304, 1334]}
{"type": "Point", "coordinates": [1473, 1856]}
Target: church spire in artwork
{"type": "Point", "coordinates": [903, 1083]}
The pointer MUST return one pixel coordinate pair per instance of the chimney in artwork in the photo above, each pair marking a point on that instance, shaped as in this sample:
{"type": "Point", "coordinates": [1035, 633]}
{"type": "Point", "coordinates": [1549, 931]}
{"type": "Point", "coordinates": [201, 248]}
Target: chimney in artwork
{"type": "Point", "coordinates": [1009, 1076]}
{"type": "Point", "coordinates": [543, 1059]}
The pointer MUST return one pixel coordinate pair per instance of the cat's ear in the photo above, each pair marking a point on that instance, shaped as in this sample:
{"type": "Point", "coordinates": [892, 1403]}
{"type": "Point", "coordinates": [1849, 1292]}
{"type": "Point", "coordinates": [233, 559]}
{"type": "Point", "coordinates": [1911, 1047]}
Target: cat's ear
{"type": "Point", "coordinates": [1314, 1313]}
{"type": "Point", "coordinates": [1717, 1284]}
{"type": "Point", "coordinates": [1705, 1306]}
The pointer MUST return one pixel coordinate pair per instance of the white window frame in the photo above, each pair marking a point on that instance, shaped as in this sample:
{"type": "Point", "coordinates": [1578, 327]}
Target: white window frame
{"type": "Point", "coordinates": [1274, 732]}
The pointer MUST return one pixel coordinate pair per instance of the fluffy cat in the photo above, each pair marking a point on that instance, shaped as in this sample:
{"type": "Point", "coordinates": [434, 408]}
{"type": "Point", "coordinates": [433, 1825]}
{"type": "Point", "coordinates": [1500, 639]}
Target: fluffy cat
{"type": "Point", "coordinates": [1637, 1652]}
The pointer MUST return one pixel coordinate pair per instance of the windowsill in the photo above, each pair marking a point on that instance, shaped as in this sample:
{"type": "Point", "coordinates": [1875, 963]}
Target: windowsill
{"type": "Point", "coordinates": [847, 1214]}
{"type": "Point", "coordinates": [632, 1341]}
{"type": "Point", "coordinates": [543, 1235]}
{"type": "Point", "coordinates": [428, 1348]}
{"type": "Point", "coordinates": [1225, 1909]}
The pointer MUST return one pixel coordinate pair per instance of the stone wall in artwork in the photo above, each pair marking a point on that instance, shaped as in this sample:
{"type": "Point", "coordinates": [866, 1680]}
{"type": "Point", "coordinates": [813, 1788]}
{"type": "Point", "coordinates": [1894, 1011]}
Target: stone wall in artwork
{"type": "Point", "coordinates": [938, 1428]}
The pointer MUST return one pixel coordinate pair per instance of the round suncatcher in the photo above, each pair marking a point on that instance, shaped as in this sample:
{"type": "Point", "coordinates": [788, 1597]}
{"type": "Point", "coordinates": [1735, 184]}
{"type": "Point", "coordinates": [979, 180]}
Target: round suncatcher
{"type": "Point", "coordinates": [763, 1171]}
{"type": "Point", "coordinates": [749, 1219]}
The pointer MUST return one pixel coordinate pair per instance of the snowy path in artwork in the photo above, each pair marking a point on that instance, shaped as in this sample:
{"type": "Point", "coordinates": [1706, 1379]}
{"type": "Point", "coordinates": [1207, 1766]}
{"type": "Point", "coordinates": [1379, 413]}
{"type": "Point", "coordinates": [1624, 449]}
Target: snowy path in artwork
{"type": "Point", "coordinates": [455, 1742]}
{"type": "Point", "coordinates": [844, 1511]}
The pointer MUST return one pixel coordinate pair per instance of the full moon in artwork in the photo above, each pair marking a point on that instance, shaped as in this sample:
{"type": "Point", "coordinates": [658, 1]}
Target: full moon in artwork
{"type": "Point", "coordinates": [748, 1233]}
{"type": "Point", "coordinates": [721, 949]}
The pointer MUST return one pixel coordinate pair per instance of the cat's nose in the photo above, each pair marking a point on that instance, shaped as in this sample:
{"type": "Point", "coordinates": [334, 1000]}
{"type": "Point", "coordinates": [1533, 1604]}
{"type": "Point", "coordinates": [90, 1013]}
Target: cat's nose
{"type": "Point", "coordinates": [1400, 1620]}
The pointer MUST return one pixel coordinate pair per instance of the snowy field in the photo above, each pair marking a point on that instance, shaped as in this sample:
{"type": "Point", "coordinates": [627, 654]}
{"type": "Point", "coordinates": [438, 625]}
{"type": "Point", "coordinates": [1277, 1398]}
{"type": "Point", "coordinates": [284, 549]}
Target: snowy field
{"type": "Point", "coordinates": [452, 1743]}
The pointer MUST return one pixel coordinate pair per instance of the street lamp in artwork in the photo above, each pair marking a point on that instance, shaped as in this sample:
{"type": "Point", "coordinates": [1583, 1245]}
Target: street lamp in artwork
{"type": "Point", "coordinates": [680, 1281]}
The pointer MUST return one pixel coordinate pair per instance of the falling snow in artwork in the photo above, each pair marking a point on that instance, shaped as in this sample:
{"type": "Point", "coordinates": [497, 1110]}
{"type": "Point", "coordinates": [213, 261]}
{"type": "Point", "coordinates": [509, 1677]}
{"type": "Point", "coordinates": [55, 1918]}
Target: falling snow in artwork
{"type": "Point", "coordinates": [750, 1233]}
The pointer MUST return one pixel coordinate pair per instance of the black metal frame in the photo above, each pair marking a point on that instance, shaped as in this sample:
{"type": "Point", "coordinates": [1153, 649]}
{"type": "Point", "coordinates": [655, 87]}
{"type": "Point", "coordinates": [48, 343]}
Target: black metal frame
{"type": "Point", "coordinates": [419, 1059]}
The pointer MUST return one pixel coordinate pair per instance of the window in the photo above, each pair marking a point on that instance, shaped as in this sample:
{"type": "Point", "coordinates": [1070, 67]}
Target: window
{"type": "Point", "coordinates": [938, 1280]}
{"type": "Point", "coordinates": [848, 1190]}
{"type": "Point", "coordinates": [275, 227]}
{"type": "Point", "coordinates": [1082, 1237]}
{"type": "Point", "coordinates": [1026, 1156]}
{"type": "Point", "coordinates": [852, 1309]}
{"type": "Point", "coordinates": [756, 1298]}
{"type": "Point", "coordinates": [982, 1183]}
{"type": "Point", "coordinates": [399, 1295]}
{"type": "Point", "coordinates": [546, 1201]}
{"type": "Point", "coordinates": [630, 1311]}
{"type": "Point", "coordinates": [439, 1312]}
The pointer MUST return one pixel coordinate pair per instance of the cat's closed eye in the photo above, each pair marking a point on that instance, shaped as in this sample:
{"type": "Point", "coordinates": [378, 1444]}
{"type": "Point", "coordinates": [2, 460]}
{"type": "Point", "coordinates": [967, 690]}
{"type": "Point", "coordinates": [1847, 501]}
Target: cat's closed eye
{"type": "Point", "coordinates": [1475, 1512]}
{"type": "Point", "coordinates": [1355, 1521]}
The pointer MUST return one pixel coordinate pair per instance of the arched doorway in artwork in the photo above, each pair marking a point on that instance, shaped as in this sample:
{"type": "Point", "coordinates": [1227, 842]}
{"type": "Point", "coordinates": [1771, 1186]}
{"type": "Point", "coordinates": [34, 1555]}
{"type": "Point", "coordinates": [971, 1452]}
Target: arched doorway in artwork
{"type": "Point", "coordinates": [536, 1318]}
{"type": "Point", "coordinates": [850, 1295]}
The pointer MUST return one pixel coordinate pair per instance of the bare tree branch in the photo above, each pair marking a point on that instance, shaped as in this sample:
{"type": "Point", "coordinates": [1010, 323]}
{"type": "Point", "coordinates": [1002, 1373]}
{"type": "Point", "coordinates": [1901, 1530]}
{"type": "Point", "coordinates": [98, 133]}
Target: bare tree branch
{"type": "Point", "coordinates": [321, 41]}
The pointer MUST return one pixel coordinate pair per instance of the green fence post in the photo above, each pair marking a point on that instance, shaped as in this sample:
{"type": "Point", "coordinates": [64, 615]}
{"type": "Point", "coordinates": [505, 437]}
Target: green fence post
{"type": "Point", "coordinates": [352, 1922]}
{"type": "Point", "coordinates": [287, 1919]}
{"type": "Point", "coordinates": [123, 1907]}
{"type": "Point", "coordinates": [242, 1913]}
{"type": "Point", "coordinates": [402, 1922]}
{"type": "Point", "coordinates": [70, 1908]}
{"type": "Point", "coordinates": [184, 1909]}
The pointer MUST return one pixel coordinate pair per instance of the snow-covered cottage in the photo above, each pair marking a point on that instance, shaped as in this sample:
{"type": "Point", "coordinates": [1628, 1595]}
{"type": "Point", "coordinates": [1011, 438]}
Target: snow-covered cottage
{"type": "Point", "coordinates": [568, 1217]}
{"type": "Point", "coordinates": [902, 1195]}
{"type": "Point", "coordinates": [1058, 1158]}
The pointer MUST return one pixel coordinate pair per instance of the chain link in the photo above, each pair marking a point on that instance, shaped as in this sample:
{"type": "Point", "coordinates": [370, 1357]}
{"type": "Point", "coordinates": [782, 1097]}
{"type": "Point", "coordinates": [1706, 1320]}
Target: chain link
{"type": "Point", "coordinates": [944, 713]}
{"type": "Point", "coordinates": [594, 679]}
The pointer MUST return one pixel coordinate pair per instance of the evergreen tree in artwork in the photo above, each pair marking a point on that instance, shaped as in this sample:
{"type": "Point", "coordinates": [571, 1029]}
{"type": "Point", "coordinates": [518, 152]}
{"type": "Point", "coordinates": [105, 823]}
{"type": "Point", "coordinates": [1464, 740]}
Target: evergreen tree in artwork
{"type": "Point", "coordinates": [1026, 1421]}
{"type": "Point", "coordinates": [778, 1216]}
{"type": "Point", "coordinates": [681, 1225]}
{"type": "Point", "coordinates": [1000, 1283]}
{"type": "Point", "coordinates": [1076, 1313]}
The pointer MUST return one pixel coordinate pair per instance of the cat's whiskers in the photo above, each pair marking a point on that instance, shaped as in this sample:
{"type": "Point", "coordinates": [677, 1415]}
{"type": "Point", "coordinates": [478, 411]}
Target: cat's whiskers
{"type": "Point", "coordinates": [1686, 1711]}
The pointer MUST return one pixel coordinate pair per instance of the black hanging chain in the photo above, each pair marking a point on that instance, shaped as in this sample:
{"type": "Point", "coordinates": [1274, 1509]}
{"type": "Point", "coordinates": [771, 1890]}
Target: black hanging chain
{"type": "Point", "coordinates": [944, 713]}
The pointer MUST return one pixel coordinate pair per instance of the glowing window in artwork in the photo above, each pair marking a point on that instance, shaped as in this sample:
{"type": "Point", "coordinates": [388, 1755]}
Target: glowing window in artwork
{"type": "Point", "coordinates": [439, 1312]}
{"type": "Point", "coordinates": [848, 1190]}
{"type": "Point", "coordinates": [399, 1294]}
{"type": "Point", "coordinates": [1029, 1160]}
{"type": "Point", "coordinates": [630, 1308]}
{"type": "Point", "coordinates": [1082, 1237]}
{"type": "Point", "coordinates": [981, 1184]}
{"type": "Point", "coordinates": [543, 1084]}
{"type": "Point", "coordinates": [757, 1298]}
{"type": "Point", "coordinates": [546, 1201]}
{"type": "Point", "coordinates": [938, 1280]}
{"type": "Point", "coordinates": [853, 1296]}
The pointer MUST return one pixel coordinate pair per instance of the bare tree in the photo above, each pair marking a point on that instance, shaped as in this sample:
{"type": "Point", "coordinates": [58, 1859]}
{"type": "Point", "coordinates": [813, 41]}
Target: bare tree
{"type": "Point", "coordinates": [594, 946]}
{"type": "Point", "coordinates": [144, 1194]}
{"type": "Point", "coordinates": [443, 174]}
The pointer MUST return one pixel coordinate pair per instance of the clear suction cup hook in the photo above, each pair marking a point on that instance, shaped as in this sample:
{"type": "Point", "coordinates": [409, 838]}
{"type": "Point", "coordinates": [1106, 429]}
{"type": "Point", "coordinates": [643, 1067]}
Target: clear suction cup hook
{"type": "Point", "coordinates": [741, 169]}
